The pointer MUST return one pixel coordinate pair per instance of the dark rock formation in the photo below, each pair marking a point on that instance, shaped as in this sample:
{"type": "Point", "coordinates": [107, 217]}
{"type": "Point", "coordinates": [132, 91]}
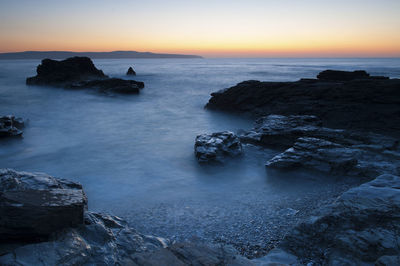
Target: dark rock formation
{"type": "Point", "coordinates": [216, 147]}
{"type": "Point", "coordinates": [10, 126]}
{"type": "Point", "coordinates": [335, 75]}
{"type": "Point", "coordinates": [334, 151]}
{"type": "Point", "coordinates": [80, 73]}
{"type": "Point", "coordinates": [361, 228]}
{"type": "Point", "coordinates": [35, 205]}
{"type": "Point", "coordinates": [111, 85]}
{"type": "Point", "coordinates": [55, 73]}
{"type": "Point", "coordinates": [368, 104]}
{"type": "Point", "coordinates": [131, 72]}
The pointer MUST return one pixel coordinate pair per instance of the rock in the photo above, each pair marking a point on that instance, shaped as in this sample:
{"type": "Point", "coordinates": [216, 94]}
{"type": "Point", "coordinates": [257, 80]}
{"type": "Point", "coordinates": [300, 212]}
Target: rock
{"type": "Point", "coordinates": [180, 254]}
{"type": "Point", "coordinates": [361, 227]}
{"type": "Point", "coordinates": [216, 147]}
{"type": "Point", "coordinates": [112, 85]}
{"type": "Point", "coordinates": [102, 240]}
{"type": "Point", "coordinates": [80, 73]}
{"type": "Point", "coordinates": [277, 257]}
{"type": "Point", "coordinates": [74, 69]}
{"type": "Point", "coordinates": [336, 75]}
{"type": "Point", "coordinates": [10, 126]}
{"type": "Point", "coordinates": [371, 104]}
{"type": "Point", "coordinates": [34, 205]}
{"type": "Point", "coordinates": [131, 72]}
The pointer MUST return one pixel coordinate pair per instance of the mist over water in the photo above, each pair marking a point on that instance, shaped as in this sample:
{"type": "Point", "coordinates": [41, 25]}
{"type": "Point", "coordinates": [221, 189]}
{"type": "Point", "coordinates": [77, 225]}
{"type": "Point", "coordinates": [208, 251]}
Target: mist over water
{"type": "Point", "coordinates": [134, 153]}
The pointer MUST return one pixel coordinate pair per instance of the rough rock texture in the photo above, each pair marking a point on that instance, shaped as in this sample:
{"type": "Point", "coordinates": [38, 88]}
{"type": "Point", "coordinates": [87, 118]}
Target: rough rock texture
{"type": "Point", "coordinates": [333, 151]}
{"type": "Point", "coordinates": [102, 240]}
{"type": "Point", "coordinates": [369, 104]}
{"type": "Point", "coordinates": [112, 85]}
{"type": "Point", "coordinates": [180, 254]}
{"type": "Point", "coordinates": [362, 226]}
{"type": "Point", "coordinates": [80, 73]}
{"type": "Point", "coordinates": [53, 72]}
{"type": "Point", "coordinates": [34, 205]}
{"type": "Point", "coordinates": [216, 147]}
{"type": "Point", "coordinates": [131, 72]}
{"type": "Point", "coordinates": [10, 126]}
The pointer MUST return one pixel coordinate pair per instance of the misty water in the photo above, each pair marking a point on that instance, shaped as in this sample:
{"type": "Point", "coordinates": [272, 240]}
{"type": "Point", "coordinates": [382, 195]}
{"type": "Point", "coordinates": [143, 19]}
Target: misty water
{"type": "Point", "coordinates": [134, 153]}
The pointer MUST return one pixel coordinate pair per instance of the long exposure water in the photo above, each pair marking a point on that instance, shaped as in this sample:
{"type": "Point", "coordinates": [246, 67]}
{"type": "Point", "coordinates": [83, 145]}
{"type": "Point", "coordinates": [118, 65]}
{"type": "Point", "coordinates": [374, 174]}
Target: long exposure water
{"type": "Point", "coordinates": [134, 153]}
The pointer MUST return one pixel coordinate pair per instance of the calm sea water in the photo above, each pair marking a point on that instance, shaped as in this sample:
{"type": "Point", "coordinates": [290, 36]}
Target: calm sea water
{"type": "Point", "coordinates": [135, 153]}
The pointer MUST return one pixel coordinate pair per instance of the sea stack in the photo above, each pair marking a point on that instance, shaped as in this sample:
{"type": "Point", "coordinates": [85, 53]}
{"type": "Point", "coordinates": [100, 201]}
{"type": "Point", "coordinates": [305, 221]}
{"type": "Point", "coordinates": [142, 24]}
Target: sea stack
{"type": "Point", "coordinates": [131, 72]}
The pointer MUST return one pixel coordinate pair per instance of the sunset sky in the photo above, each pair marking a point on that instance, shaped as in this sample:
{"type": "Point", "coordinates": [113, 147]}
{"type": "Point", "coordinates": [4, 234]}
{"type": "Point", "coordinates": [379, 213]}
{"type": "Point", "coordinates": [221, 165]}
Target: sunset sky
{"type": "Point", "coordinates": [211, 28]}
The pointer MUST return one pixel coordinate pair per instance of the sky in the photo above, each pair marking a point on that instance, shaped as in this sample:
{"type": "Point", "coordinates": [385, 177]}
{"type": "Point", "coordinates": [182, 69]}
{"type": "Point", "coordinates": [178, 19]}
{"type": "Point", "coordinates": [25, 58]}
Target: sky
{"type": "Point", "coordinates": [211, 28]}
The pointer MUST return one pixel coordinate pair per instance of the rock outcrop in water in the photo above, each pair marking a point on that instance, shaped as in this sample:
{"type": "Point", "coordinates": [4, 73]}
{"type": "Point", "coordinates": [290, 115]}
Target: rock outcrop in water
{"type": "Point", "coordinates": [332, 151]}
{"type": "Point", "coordinates": [338, 98]}
{"type": "Point", "coordinates": [11, 126]}
{"type": "Point", "coordinates": [131, 72]}
{"type": "Point", "coordinates": [216, 147]}
{"type": "Point", "coordinates": [80, 73]}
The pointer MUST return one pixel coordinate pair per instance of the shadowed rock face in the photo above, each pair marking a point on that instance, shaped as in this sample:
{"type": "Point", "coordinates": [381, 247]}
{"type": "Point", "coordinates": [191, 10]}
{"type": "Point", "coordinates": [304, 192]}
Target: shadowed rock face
{"type": "Point", "coordinates": [335, 75]}
{"type": "Point", "coordinates": [112, 85]}
{"type": "Point", "coordinates": [131, 72]}
{"type": "Point", "coordinates": [10, 126]}
{"type": "Point", "coordinates": [34, 205]}
{"type": "Point", "coordinates": [216, 147]}
{"type": "Point", "coordinates": [53, 72]}
{"type": "Point", "coordinates": [369, 104]}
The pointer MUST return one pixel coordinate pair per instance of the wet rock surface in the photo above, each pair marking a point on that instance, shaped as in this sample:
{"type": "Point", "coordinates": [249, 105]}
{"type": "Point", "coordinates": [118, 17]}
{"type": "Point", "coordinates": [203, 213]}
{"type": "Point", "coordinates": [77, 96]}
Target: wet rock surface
{"type": "Point", "coordinates": [216, 147]}
{"type": "Point", "coordinates": [361, 227]}
{"type": "Point", "coordinates": [332, 151]}
{"type": "Point", "coordinates": [368, 104]}
{"type": "Point", "coordinates": [11, 126]}
{"type": "Point", "coordinates": [34, 205]}
{"type": "Point", "coordinates": [80, 73]}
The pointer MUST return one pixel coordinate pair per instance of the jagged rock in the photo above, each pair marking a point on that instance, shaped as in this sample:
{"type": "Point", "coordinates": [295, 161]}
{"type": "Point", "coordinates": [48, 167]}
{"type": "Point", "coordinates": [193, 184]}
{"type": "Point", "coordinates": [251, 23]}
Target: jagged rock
{"type": "Point", "coordinates": [53, 72]}
{"type": "Point", "coordinates": [336, 75]}
{"type": "Point", "coordinates": [80, 73]}
{"type": "Point", "coordinates": [131, 72]}
{"type": "Point", "coordinates": [102, 240]}
{"type": "Point", "coordinates": [34, 205]}
{"type": "Point", "coordinates": [10, 126]}
{"type": "Point", "coordinates": [112, 85]}
{"type": "Point", "coordinates": [371, 104]}
{"type": "Point", "coordinates": [216, 147]}
{"type": "Point", "coordinates": [362, 227]}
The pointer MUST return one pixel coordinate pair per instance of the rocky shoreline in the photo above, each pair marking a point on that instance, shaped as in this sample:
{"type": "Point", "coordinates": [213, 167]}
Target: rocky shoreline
{"type": "Point", "coordinates": [342, 124]}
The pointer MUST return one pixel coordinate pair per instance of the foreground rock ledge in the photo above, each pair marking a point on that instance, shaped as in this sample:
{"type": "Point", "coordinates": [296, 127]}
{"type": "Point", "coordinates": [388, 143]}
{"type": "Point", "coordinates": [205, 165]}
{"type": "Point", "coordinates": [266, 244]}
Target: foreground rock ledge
{"type": "Point", "coordinates": [34, 205]}
{"type": "Point", "coordinates": [80, 73]}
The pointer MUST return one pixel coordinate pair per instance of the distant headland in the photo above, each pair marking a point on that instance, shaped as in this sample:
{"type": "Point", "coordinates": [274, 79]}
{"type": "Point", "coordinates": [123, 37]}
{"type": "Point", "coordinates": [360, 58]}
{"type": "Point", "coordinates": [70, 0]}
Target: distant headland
{"type": "Point", "coordinates": [93, 55]}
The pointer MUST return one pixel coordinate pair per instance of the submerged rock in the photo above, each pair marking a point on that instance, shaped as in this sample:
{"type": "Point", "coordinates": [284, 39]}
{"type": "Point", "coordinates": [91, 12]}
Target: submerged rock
{"type": "Point", "coordinates": [74, 69]}
{"type": "Point", "coordinates": [361, 228]}
{"type": "Point", "coordinates": [131, 72]}
{"type": "Point", "coordinates": [371, 104]}
{"type": "Point", "coordinates": [216, 147]}
{"type": "Point", "coordinates": [80, 73]}
{"type": "Point", "coordinates": [10, 126]}
{"type": "Point", "coordinates": [34, 205]}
